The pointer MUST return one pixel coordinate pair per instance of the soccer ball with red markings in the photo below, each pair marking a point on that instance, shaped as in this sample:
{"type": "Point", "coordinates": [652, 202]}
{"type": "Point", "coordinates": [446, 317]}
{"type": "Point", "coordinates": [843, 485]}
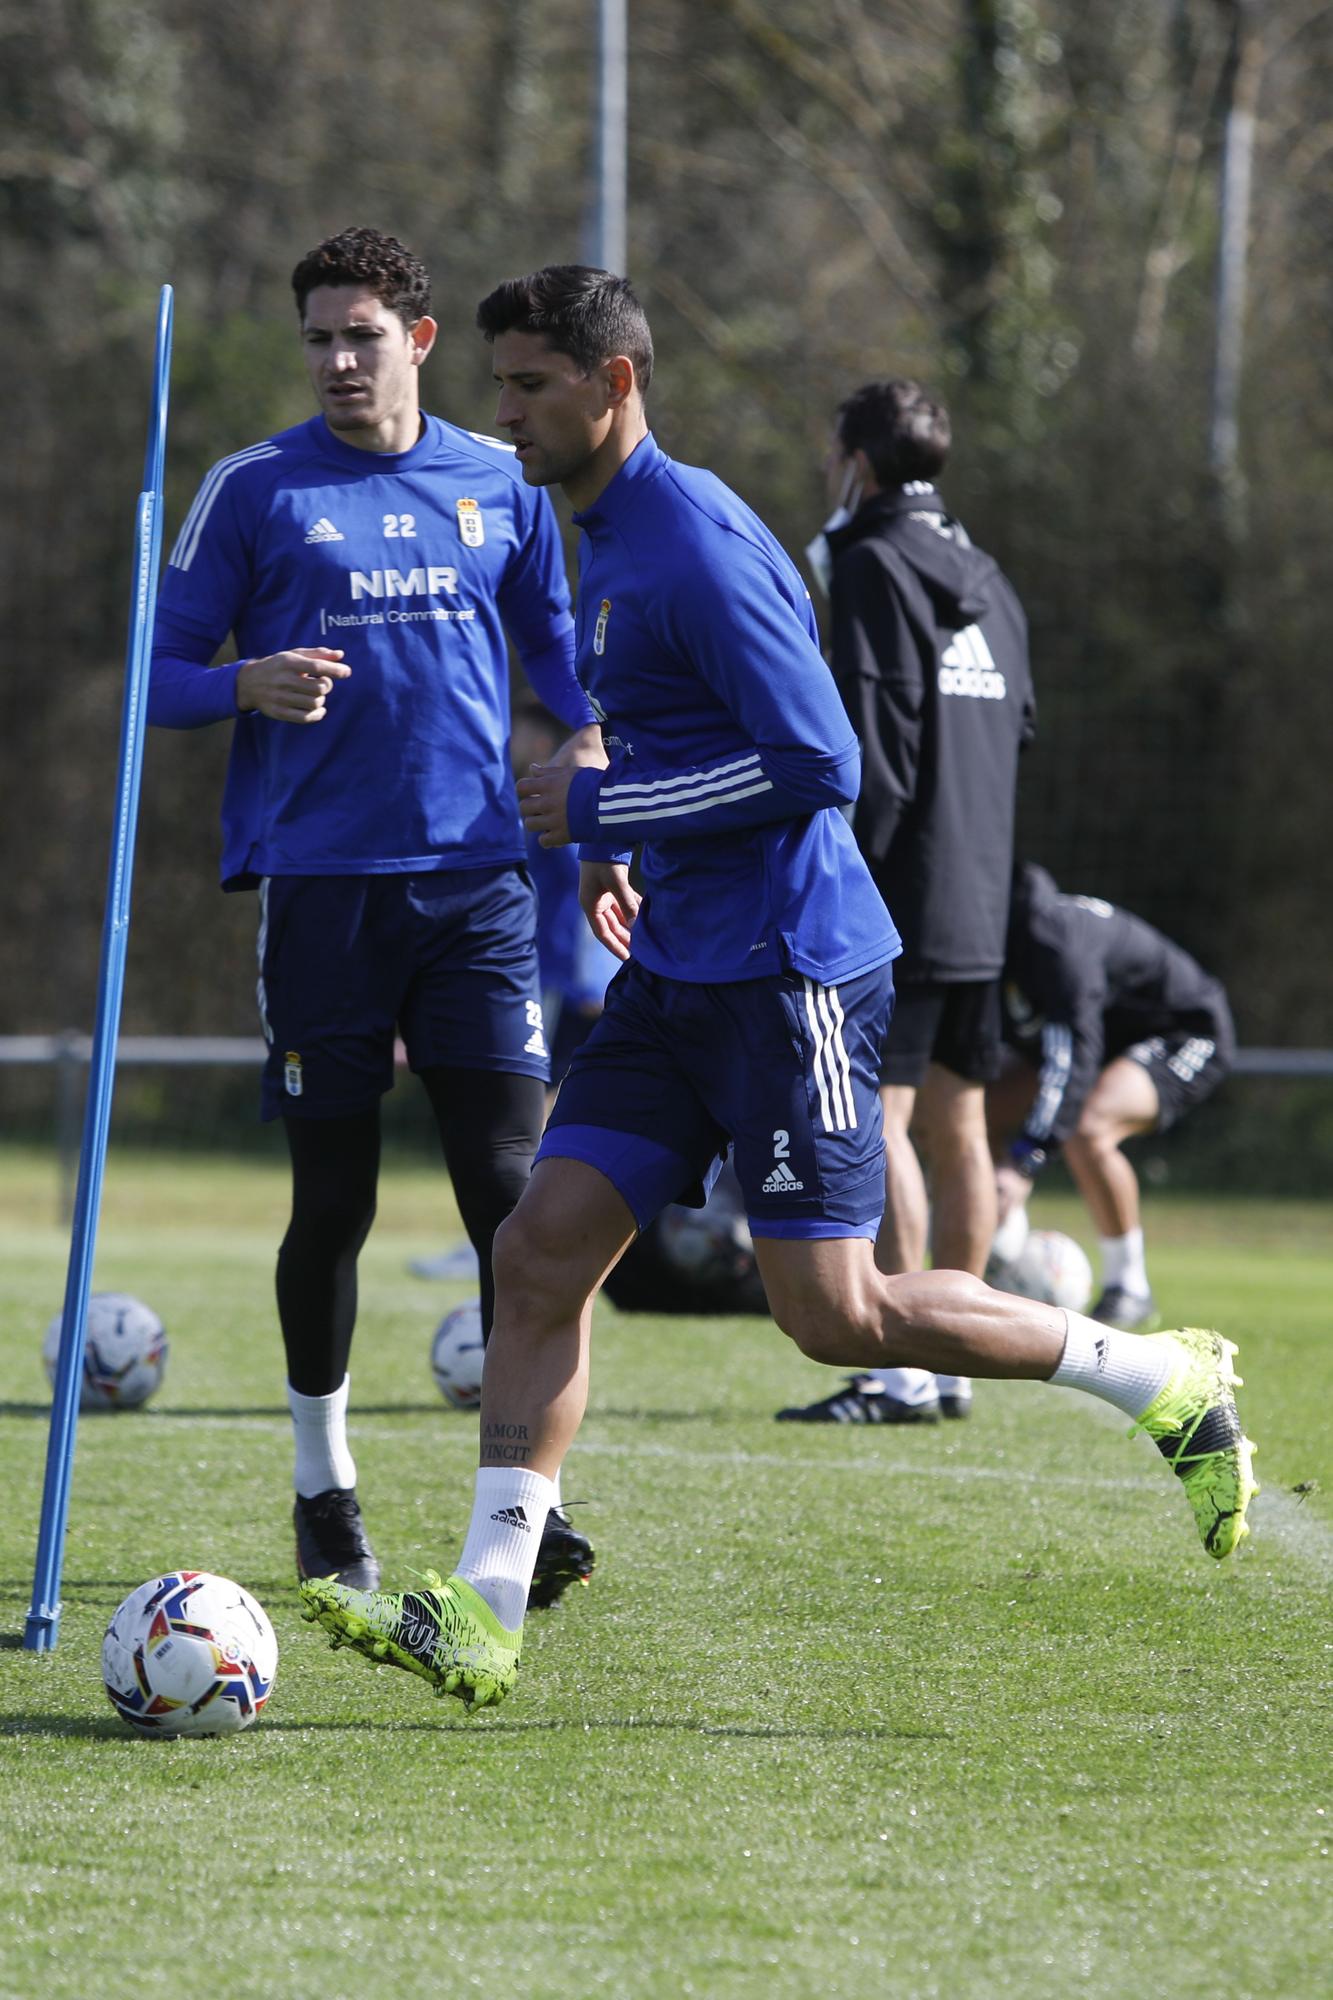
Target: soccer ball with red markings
{"type": "Point", "coordinates": [189, 1654]}
{"type": "Point", "coordinates": [124, 1357]}
{"type": "Point", "coordinates": [456, 1354]}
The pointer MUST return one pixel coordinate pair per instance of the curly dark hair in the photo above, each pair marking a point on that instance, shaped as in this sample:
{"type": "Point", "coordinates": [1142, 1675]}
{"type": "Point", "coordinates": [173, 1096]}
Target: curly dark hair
{"type": "Point", "coordinates": [366, 257]}
{"type": "Point", "coordinates": [583, 312]}
{"type": "Point", "coordinates": [903, 431]}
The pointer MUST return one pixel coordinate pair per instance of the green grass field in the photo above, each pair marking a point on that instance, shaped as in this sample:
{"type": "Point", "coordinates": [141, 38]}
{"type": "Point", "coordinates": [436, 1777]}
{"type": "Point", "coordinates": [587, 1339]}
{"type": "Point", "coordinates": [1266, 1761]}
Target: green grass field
{"type": "Point", "coordinates": [951, 1711]}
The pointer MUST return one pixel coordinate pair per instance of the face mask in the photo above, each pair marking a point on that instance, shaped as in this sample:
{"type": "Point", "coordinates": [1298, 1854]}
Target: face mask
{"type": "Point", "coordinates": [818, 553]}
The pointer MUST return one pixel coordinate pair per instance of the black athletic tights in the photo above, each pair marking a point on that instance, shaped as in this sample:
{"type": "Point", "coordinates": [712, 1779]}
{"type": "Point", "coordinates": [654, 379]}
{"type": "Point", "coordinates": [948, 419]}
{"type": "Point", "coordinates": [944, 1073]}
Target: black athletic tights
{"type": "Point", "coordinates": [489, 1123]}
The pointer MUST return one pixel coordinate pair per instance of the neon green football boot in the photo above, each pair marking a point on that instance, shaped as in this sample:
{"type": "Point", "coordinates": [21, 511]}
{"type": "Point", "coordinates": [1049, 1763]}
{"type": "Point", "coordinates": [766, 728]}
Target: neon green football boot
{"type": "Point", "coordinates": [447, 1633]}
{"type": "Point", "coordinates": [1194, 1424]}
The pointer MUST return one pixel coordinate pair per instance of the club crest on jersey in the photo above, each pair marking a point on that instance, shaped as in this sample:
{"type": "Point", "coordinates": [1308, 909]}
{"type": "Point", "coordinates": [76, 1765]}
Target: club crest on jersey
{"type": "Point", "coordinates": [471, 526]}
{"type": "Point", "coordinates": [599, 630]}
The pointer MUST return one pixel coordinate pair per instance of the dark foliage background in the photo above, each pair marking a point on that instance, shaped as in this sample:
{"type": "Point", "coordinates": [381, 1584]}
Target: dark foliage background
{"type": "Point", "coordinates": [1017, 200]}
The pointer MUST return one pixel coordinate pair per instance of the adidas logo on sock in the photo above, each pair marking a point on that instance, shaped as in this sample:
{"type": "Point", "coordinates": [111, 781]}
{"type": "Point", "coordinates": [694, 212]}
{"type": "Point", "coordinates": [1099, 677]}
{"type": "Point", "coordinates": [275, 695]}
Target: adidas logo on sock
{"type": "Point", "coordinates": [513, 1517]}
{"type": "Point", "coordinates": [324, 531]}
{"type": "Point", "coordinates": [1103, 1349]}
{"type": "Point", "coordinates": [782, 1181]}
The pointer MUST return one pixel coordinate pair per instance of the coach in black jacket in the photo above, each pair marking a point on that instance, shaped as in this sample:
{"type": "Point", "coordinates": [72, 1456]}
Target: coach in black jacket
{"type": "Point", "coordinates": [930, 656]}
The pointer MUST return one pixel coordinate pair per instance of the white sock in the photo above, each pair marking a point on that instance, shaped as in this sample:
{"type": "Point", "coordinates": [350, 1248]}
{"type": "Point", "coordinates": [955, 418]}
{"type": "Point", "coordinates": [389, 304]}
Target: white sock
{"type": "Point", "coordinates": [508, 1514]}
{"type": "Point", "coordinates": [953, 1385]}
{"type": "Point", "coordinates": [322, 1456]}
{"type": "Point", "coordinates": [1123, 1263]}
{"type": "Point", "coordinates": [906, 1385]}
{"type": "Point", "coordinates": [1008, 1240]}
{"type": "Point", "coordinates": [1127, 1369]}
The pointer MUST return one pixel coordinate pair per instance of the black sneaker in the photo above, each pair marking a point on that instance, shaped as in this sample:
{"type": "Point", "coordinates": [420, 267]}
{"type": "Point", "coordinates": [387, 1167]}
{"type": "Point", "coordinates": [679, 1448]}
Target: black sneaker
{"type": "Point", "coordinates": [564, 1557]}
{"type": "Point", "coordinates": [1130, 1311]}
{"type": "Point", "coordinates": [863, 1401]}
{"type": "Point", "coordinates": [331, 1539]}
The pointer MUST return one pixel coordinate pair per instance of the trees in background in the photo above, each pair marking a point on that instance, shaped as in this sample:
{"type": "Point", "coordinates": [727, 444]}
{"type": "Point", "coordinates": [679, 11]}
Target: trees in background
{"type": "Point", "coordinates": [1015, 199]}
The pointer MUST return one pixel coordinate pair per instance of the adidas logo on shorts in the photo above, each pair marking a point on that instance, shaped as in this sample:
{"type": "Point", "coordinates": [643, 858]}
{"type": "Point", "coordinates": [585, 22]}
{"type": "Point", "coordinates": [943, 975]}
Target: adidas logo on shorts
{"type": "Point", "coordinates": [782, 1181]}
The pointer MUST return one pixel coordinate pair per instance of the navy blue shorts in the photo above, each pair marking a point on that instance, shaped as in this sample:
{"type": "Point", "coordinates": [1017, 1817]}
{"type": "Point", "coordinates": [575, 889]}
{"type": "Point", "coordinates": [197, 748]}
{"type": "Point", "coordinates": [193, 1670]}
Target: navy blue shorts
{"type": "Point", "coordinates": [348, 962]}
{"type": "Point", "coordinates": [784, 1070]}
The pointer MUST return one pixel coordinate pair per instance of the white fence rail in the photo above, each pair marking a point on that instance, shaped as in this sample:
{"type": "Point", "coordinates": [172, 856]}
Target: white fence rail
{"type": "Point", "coordinates": [232, 1050]}
{"type": "Point", "coordinates": [69, 1053]}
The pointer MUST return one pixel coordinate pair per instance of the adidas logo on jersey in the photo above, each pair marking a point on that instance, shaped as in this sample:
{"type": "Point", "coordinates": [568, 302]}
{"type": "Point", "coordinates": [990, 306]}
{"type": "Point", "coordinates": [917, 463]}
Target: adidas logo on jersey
{"type": "Point", "coordinates": [512, 1517]}
{"type": "Point", "coordinates": [324, 531]}
{"type": "Point", "coordinates": [782, 1181]}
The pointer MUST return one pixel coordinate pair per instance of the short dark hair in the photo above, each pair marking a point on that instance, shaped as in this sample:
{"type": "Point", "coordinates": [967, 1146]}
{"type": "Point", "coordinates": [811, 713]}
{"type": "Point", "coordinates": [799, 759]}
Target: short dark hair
{"type": "Point", "coordinates": [903, 431]}
{"type": "Point", "coordinates": [585, 313]}
{"type": "Point", "coordinates": [366, 257]}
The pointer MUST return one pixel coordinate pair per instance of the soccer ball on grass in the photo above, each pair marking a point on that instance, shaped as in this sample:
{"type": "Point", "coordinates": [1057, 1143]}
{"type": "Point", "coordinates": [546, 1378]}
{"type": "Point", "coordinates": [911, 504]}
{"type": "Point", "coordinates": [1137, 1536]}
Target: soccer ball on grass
{"type": "Point", "coordinates": [124, 1358]}
{"type": "Point", "coordinates": [456, 1355]}
{"type": "Point", "coordinates": [1050, 1267]}
{"type": "Point", "coordinates": [189, 1654]}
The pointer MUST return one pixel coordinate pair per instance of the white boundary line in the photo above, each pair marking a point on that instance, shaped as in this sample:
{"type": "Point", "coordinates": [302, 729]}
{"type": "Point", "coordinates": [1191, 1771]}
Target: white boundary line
{"type": "Point", "coordinates": [1282, 1522]}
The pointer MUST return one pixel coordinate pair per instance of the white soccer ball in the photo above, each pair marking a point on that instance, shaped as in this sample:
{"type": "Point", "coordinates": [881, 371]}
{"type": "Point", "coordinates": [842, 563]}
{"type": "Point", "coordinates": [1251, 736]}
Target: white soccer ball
{"type": "Point", "coordinates": [125, 1356]}
{"type": "Point", "coordinates": [1050, 1267]}
{"type": "Point", "coordinates": [456, 1355]}
{"type": "Point", "coordinates": [711, 1245]}
{"type": "Point", "coordinates": [189, 1654]}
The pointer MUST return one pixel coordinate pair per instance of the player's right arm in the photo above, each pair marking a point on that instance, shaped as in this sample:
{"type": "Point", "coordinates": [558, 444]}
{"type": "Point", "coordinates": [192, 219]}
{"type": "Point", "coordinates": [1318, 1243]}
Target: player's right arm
{"type": "Point", "coordinates": [205, 589]}
{"type": "Point", "coordinates": [291, 686]}
{"type": "Point", "coordinates": [186, 692]}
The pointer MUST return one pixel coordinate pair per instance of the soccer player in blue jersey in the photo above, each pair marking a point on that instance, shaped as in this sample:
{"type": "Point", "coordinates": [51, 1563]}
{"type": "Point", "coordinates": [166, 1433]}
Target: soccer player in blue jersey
{"type": "Point", "coordinates": [372, 564]}
{"type": "Point", "coordinates": [750, 1014]}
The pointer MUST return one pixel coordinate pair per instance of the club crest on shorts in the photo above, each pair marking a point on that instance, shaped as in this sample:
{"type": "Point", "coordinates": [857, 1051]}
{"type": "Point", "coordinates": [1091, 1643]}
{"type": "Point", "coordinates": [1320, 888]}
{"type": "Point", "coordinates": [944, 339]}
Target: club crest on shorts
{"type": "Point", "coordinates": [471, 526]}
{"type": "Point", "coordinates": [292, 1076]}
{"type": "Point", "coordinates": [599, 630]}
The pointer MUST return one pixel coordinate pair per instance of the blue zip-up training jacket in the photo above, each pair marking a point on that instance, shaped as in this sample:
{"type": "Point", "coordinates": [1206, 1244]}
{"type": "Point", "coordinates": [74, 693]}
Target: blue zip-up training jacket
{"type": "Point", "coordinates": [416, 563]}
{"type": "Point", "coordinates": [731, 752]}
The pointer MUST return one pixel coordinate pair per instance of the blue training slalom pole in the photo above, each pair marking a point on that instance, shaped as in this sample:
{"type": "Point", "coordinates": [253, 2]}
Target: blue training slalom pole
{"type": "Point", "coordinates": [42, 1628]}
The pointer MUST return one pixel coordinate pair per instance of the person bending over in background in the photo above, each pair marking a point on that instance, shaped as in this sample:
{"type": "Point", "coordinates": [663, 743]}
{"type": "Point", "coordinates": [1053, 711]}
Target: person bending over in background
{"type": "Point", "coordinates": [750, 1014]}
{"type": "Point", "coordinates": [369, 564]}
{"type": "Point", "coordinates": [1115, 1031]}
{"type": "Point", "coordinates": [930, 656]}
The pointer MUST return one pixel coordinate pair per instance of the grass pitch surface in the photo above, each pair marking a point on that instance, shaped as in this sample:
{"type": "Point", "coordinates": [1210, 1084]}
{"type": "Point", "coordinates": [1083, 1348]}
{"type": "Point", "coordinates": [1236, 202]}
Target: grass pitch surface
{"type": "Point", "coordinates": [898, 1713]}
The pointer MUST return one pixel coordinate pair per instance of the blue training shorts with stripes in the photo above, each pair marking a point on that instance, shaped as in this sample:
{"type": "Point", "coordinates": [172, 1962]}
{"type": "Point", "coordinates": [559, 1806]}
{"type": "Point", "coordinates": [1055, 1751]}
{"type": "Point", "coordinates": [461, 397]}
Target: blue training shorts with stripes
{"type": "Point", "coordinates": [783, 1070]}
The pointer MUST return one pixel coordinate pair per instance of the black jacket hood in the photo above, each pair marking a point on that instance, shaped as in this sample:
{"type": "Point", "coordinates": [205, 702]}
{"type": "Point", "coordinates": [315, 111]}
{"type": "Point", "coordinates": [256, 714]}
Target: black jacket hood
{"type": "Point", "coordinates": [958, 577]}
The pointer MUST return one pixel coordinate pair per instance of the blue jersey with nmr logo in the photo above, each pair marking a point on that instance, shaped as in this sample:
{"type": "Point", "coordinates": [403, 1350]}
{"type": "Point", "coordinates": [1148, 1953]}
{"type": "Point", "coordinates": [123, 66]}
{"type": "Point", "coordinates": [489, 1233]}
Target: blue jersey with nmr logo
{"type": "Point", "coordinates": [417, 564]}
{"type": "Point", "coordinates": [731, 752]}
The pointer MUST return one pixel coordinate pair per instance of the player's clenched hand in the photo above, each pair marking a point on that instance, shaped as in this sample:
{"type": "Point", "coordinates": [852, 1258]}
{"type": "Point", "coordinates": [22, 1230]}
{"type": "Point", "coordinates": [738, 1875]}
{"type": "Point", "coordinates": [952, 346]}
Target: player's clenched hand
{"type": "Point", "coordinates": [542, 797]}
{"type": "Point", "coordinates": [1011, 1191]}
{"type": "Point", "coordinates": [290, 687]}
{"type": "Point", "coordinates": [609, 903]}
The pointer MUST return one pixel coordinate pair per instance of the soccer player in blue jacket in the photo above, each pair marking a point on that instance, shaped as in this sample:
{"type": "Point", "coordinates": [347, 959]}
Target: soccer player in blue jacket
{"type": "Point", "coordinates": [749, 1015]}
{"type": "Point", "coordinates": [370, 563]}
